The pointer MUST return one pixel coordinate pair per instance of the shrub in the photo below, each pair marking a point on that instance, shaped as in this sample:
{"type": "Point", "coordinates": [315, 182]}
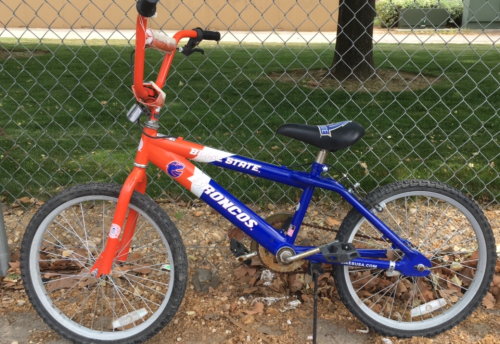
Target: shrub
{"type": "Point", "coordinates": [388, 10]}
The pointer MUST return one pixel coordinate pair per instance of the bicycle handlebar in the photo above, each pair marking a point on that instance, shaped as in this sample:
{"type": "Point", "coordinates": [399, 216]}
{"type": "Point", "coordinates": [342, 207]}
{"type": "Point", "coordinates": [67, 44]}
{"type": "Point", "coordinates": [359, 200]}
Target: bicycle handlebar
{"type": "Point", "coordinates": [148, 93]}
{"type": "Point", "coordinates": [147, 8]}
{"type": "Point", "coordinates": [211, 35]}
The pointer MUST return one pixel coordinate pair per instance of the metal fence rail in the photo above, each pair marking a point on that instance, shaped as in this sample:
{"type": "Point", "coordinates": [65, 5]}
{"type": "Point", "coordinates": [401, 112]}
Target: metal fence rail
{"type": "Point", "coordinates": [430, 111]}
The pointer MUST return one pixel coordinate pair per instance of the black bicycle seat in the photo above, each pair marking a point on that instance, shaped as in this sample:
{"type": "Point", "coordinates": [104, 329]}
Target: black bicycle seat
{"type": "Point", "coordinates": [331, 137]}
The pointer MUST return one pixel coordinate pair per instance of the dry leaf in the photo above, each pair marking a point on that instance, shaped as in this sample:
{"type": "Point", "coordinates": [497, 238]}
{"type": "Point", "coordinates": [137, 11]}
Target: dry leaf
{"type": "Point", "coordinates": [84, 282]}
{"type": "Point", "coordinates": [313, 83]}
{"type": "Point", "coordinates": [233, 306]}
{"type": "Point", "coordinates": [489, 301]}
{"type": "Point", "coordinates": [249, 290]}
{"type": "Point", "coordinates": [332, 222]}
{"type": "Point", "coordinates": [142, 269]}
{"type": "Point", "coordinates": [134, 256]}
{"type": "Point", "coordinates": [61, 284]}
{"type": "Point", "coordinates": [15, 265]}
{"type": "Point", "coordinates": [258, 308]}
{"type": "Point", "coordinates": [236, 233]}
{"type": "Point", "coordinates": [365, 167]}
{"type": "Point", "coordinates": [496, 279]}
{"type": "Point", "coordinates": [391, 255]}
{"type": "Point", "coordinates": [240, 272]}
{"type": "Point", "coordinates": [472, 260]}
{"type": "Point", "coordinates": [119, 271]}
{"type": "Point", "coordinates": [23, 200]}
{"type": "Point", "coordinates": [296, 285]}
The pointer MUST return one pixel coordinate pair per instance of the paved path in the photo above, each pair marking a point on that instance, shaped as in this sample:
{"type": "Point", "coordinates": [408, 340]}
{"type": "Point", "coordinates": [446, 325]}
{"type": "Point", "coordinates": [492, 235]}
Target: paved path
{"type": "Point", "coordinates": [489, 37]}
{"type": "Point", "coordinates": [19, 327]}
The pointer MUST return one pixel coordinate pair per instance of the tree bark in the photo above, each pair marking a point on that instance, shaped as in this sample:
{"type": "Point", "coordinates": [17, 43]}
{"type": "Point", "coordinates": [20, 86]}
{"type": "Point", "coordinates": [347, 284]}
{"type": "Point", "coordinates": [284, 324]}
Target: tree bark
{"type": "Point", "coordinates": [354, 47]}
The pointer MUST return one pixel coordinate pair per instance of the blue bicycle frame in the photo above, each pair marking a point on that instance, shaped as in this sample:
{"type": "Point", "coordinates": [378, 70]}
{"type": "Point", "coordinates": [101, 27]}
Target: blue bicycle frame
{"type": "Point", "coordinates": [412, 264]}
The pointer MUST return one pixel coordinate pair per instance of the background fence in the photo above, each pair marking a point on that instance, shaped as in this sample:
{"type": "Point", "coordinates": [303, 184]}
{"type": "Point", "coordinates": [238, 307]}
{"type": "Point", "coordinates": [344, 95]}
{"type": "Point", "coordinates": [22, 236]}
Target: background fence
{"type": "Point", "coordinates": [430, 110]}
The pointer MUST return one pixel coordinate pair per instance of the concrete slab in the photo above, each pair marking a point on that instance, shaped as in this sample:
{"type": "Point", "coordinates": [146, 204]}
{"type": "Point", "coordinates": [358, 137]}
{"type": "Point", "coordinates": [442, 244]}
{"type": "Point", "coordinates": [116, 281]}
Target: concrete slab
{"type": "Point", "coordinates": [269, 37]}
{"type": "Point", "coordinates": [19, 327]}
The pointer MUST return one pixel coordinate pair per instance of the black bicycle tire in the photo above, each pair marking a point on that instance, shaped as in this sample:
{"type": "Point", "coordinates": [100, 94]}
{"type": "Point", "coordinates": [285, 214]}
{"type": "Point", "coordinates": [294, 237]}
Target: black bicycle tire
{"type": "Point", "coordinates": [353, 217]}
{"type": "Point", "coordinates": [152, 209]}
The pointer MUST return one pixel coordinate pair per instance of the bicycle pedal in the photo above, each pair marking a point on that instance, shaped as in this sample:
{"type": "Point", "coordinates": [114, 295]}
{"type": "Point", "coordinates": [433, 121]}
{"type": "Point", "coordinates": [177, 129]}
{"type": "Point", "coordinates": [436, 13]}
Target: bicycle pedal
{"type": "Point", "coordinates": [339, 252]}
{"type": "Point", "coordinates": [239, 250]}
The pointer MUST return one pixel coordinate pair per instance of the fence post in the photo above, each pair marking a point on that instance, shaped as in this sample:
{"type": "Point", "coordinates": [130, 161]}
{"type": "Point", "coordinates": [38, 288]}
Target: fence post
{"type": "Point", "coordinates": [4, 247]}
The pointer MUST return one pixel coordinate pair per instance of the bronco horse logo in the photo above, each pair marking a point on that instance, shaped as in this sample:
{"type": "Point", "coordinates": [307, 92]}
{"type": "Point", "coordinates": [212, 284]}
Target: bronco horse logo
{"type": "Point", "coordinates": [175, 169]}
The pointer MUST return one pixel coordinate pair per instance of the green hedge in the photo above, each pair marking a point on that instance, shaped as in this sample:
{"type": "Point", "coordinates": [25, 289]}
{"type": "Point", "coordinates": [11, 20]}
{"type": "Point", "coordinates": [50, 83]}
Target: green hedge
{"type": "Point", "coordinates": [388, 10]}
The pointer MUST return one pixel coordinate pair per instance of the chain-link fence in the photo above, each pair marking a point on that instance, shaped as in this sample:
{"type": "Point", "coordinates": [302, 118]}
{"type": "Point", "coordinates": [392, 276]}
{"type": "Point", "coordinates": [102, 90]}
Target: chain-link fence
{"type": "Point", "coordinates": [429, 101]}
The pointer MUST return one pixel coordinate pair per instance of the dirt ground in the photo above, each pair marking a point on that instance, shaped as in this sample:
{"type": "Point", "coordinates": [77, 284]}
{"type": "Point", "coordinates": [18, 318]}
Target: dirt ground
{"type": "Point", "coordinates": [383, 80]}
{"type": "Point", "coordinates": [237, 311]}
{"type": "Point", "coordinates": [4, 54]}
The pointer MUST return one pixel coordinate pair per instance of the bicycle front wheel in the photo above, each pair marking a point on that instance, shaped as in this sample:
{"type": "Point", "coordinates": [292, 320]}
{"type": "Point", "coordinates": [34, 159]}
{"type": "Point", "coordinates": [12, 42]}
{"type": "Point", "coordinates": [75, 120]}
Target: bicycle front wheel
{"type": "Point", "coordinates": [130, 305]}
{"type": "Point", "coordinates": [445, 226]}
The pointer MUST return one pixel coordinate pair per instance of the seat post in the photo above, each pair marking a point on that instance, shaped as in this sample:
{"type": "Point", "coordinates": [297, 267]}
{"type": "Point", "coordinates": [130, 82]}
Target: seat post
{"type": "Point", "coordinates": [321, 157]}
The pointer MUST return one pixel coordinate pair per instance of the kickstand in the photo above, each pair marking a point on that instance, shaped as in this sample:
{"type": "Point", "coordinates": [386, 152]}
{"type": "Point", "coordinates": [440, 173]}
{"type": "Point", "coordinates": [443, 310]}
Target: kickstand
{"type": "Point", "coordinates": [315, 270]}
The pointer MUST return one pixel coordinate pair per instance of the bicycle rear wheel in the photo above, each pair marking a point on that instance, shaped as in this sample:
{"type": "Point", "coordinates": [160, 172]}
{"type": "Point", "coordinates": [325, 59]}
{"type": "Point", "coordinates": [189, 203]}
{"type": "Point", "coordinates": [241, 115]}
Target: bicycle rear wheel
{"type": "Point", "coordinates": [134, 302]}
{"type": "Point", "coordinates": [439, 222]}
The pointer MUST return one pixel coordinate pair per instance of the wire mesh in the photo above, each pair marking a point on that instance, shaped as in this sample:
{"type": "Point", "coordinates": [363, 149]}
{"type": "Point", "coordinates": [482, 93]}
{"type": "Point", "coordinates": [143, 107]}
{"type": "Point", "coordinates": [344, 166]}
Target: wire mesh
{"type": "Point", "coordinates": [430, 110]}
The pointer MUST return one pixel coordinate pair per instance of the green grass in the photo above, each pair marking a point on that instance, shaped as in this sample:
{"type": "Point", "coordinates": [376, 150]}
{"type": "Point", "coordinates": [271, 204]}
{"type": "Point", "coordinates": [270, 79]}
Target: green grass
{"type": "Point", "coordinates": [63, 120]}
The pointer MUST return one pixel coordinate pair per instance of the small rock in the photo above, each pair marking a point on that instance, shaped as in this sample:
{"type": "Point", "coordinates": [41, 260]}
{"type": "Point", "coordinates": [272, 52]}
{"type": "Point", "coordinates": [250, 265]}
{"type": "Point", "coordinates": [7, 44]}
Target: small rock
{"type": "Point", "coordinates": [179, 339]}
{"type": "Point", "coordinates": [212, 316]}
{"type": "Point", "coordinates": [190, 313]}
{"type": "Point", "coordinates": [176, 321]}
{"type": "Point", "coordinates": [15, 342]}
{"type": "Point", "coordinates": [203, 275]}
{"type": "Point", "coordinates": [21, 303]}
{"type": "Point", "coordinates": [214, 330]}
{"type": "Point", "coordinates": [204, 279]}
{"type": "Point", "coordinates": [198, 213]}
{"type": "Point", "coordinates": [226, 308]}
{"type": "Point", "coordinates": [289, 322]}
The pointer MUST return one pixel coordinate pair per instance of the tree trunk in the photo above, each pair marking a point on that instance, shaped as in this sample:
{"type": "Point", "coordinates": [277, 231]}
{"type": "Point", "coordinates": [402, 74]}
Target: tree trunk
{"type": "Point", "coordinates": [354, 47]}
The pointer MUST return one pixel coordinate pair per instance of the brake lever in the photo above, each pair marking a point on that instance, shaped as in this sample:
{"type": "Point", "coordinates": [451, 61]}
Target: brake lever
{"type": "Point", "coordinates": [187, 51]}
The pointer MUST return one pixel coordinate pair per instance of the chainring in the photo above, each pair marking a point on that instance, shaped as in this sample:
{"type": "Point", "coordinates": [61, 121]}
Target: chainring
{"type": "Point", "coordinates": [268, 259]}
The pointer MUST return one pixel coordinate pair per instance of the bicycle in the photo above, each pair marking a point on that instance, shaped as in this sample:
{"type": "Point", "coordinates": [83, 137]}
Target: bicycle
{"type": "Point", "coordinates": [105, 264]}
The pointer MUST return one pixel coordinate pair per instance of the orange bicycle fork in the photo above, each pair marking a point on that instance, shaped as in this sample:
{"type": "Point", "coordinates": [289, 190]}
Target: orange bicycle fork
{"type": "Point", "coordinates": [117, 248]}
